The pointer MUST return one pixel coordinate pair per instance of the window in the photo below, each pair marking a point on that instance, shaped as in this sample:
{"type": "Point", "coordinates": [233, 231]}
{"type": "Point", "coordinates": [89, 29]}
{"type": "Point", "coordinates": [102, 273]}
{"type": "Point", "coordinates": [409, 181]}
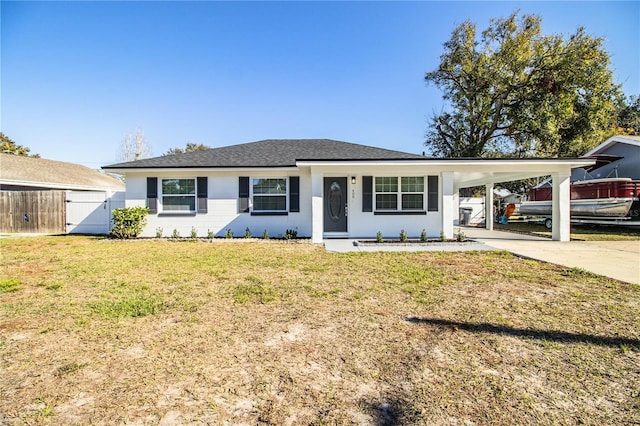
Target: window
{"type": "Point", "coordinates": [386, 193]}
{"type": "Point", "coordinates": [178, 195]}
{"type": "Point", "coordinates": [269, 194]}
{"type": "Point", "coordinates": [413, 193]}
{"type": "Point", "coordinates": [390, 196]}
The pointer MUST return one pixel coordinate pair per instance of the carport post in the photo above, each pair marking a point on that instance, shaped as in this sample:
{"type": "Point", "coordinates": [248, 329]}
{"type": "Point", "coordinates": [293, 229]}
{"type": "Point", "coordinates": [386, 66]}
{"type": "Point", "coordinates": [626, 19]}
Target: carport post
{"type": "Point", "coordinates": [317, 224]}
{"type": "Point", "coordinates": [447, 204]}
{"type": "Point", "coordinates": [561, 206]}
{"type": "Point", "coordinates": [488, 206]}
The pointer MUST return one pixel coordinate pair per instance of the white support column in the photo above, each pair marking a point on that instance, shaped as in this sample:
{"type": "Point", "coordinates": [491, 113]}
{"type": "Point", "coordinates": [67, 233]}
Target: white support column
{"type": "Point", "coordinates": [561, 205]}
{"type": "Point", "coordinates": [317, 232]}
{"type": "Point", "coordinates": [488, 207]}
{"type": "Point", "coordinates": [447, 203]}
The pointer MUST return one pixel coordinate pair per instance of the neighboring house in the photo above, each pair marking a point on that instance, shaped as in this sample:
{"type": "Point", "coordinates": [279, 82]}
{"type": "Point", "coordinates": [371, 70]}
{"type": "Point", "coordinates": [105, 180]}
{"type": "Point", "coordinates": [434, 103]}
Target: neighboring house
{"type": "Point", "coordinates": [20, 173]}
{"type": "Point", "coordinates": [321, 188]}
{"type": "Point", "coordinates": [624, 154]}
{"type": "Point", "coordinates": [38, 195]}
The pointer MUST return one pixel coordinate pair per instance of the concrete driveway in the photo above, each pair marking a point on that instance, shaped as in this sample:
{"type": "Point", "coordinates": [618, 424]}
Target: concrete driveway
{"type": "Point", "coordinates": [615, 259]}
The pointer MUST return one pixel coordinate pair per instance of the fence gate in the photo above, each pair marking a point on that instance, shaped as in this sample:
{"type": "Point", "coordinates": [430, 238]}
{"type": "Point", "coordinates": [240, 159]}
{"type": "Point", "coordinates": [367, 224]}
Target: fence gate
{"type": "Point", "coordinates": [32, 211]}
{"type": "Point", "coordinates": [87, 212]}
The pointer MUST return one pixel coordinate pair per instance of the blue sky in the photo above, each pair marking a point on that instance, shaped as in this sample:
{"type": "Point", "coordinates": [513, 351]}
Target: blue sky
{"type": "Point", "coordinates": [77, 76]}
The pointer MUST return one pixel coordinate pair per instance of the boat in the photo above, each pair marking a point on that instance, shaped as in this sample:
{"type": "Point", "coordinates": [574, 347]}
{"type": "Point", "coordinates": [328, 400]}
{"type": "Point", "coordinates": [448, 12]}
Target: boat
{"type": "Point", "coordinates": [607, 200]}
{"type": "Point", "coordinates": [593, 198]}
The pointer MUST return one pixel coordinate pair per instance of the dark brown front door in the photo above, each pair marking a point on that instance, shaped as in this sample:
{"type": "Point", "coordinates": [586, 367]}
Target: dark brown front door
{"type": "Point", "coordinates": [335, 204]}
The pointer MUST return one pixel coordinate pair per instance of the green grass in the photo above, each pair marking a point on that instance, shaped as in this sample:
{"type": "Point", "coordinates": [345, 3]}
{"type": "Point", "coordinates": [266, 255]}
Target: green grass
{"type": "Point", "coordinates": [255, 290]}
{"type": "Point", "coordinates": [9, 285]}
{"type": "Point", "coordinates": [267, 332]}
{"type": "Point", "coordinates": [134, 307]}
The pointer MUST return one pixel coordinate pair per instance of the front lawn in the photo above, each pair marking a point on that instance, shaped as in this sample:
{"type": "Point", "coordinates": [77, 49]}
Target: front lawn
{"type": "Point", "coordinates": [262, 332]}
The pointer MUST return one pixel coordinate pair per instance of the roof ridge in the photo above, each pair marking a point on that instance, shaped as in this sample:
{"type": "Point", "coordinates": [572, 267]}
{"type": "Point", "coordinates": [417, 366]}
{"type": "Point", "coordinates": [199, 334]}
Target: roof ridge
{"type": "Point", "coordinates": [270, 153]}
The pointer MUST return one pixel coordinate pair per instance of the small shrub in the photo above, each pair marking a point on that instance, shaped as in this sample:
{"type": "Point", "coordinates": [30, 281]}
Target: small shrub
{"type": "Point", "coordinates": [423, 236]}
{"type": "Point", "coordinates": [194, 233]}
{"type": "Point", "coordinates": [228, 234]}
{"type": "Point", "coordinates": [290, 234]}
{"type": "Point", "coordinates": [461, 237]}
{"type": "Point", "coordinates": [443, 237]}
{"type": "Point", "coordinates": [247, 233]}
{"type": "Point", "coordinates": [158, 232]}
{"type": "Point", "coordinates": [403, 235]}
{"type": "Point", "coordinates": [379, 238]}
{"type": "Point", "coordinates": [265, 235]}
{"type": "Point", "coordinates": [210, 234]}
{"type": "Point", "coordinates": [175, 233]}
{"type": "Point", "coordinates": [128, 222]}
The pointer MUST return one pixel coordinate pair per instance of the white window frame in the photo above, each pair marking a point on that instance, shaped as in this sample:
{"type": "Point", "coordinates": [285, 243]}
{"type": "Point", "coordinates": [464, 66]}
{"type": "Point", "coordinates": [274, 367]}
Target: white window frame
{"type": "Point", "coordinates": [423, 193]}
{"type": "Point", "coordinates": [286, 194]}
{"type": "Point", "coordinates": [162, 195]}
{"type": "Point", "coordinates": [399, 193]}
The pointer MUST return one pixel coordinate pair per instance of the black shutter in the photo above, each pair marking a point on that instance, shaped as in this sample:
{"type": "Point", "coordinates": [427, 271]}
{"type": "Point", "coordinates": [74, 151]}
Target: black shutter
{"type": "Point", "coordinates": [294, 193]}
{"type": "Point", "coordinates": [243, 194]}
{"type": "Point", "coordinates": [432, 193]}
{"type": "Point", "coordinates": [367, 193]}
{"type": "Point", "coordinates": [202, 194]}
{"type": "Point", "coordinates": [152, 194]}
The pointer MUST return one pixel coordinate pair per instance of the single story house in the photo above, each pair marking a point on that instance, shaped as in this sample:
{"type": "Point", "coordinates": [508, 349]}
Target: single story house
{"type": "Point", "coordinates": [322, 188]}
{"type": "Point", "coordinates": [48, 196]}
{"type": "Point", "coordinates": [620, 156]}
{"type": "Point", "coordinates": [20, 173]}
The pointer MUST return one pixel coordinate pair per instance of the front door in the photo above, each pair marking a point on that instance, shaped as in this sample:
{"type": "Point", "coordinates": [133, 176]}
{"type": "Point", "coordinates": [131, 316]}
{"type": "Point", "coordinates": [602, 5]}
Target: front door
{"type": "Point", "coordinates": [335, 204]}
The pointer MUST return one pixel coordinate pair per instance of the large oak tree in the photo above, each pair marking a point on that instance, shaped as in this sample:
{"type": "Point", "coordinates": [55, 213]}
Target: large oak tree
{"type": "Point", "coordinates": [512, 91]}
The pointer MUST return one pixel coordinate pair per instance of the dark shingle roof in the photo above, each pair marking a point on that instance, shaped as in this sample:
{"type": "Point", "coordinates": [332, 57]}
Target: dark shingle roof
{"type": "Point", "coordinates": [270, 153]}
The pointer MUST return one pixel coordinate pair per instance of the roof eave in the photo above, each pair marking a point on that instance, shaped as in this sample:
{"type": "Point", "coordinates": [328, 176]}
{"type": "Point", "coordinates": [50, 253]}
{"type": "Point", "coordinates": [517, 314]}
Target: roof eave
{"type": "Point", "coordinates": [573, 162]}
{"type": "Point", "coordinates": [60, 186]}
{"type": "Point", "coordinates": [612, 140]}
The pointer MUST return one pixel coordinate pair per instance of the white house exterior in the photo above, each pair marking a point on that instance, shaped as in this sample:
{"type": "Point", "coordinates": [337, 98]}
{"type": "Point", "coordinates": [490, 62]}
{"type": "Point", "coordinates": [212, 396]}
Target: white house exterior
{"type": "Point", "coordinates": [321, 188]}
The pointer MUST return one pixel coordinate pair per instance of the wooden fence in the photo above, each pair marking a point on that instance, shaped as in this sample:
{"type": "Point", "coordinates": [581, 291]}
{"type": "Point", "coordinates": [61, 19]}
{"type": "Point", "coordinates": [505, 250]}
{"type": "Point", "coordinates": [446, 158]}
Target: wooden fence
{"type": "Point", "coordinates": [33, 211]}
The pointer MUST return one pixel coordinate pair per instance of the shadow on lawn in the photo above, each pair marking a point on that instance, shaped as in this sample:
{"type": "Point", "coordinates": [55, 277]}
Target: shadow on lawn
{"type": "Point", "coordinates": [385, 413]}
{"type": "Point", "coordinates": [556, 336]}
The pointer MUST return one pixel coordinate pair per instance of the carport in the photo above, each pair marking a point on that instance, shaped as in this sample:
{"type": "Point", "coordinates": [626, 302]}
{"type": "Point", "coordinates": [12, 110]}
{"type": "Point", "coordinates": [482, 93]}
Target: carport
{"type": "Point", "coordinates": [478, 172]}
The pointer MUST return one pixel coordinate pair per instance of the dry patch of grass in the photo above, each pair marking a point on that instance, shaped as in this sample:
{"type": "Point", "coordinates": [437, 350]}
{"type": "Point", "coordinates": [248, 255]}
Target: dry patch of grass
{"type": "Point", "coordinates": [113, 332]}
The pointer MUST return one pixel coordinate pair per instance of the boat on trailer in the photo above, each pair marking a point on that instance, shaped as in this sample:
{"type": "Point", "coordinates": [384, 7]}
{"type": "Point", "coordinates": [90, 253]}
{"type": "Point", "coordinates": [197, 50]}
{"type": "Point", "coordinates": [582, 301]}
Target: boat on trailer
{"type": "Point", "coordinates": [608, 201]}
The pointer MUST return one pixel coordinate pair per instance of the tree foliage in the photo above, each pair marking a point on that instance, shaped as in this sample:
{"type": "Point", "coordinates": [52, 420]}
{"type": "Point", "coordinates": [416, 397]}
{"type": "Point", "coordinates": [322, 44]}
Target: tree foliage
{"type": "Point", "coordinates": [135, 147]}
{"type": "Point", "coordinates": [513, 91]}
{"type": "Point", "coordinates": [629, 116]}
{"type": "Point", "coordinates": [8, 146]}
{"type": "Point", "coordinates": [190, 147]}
